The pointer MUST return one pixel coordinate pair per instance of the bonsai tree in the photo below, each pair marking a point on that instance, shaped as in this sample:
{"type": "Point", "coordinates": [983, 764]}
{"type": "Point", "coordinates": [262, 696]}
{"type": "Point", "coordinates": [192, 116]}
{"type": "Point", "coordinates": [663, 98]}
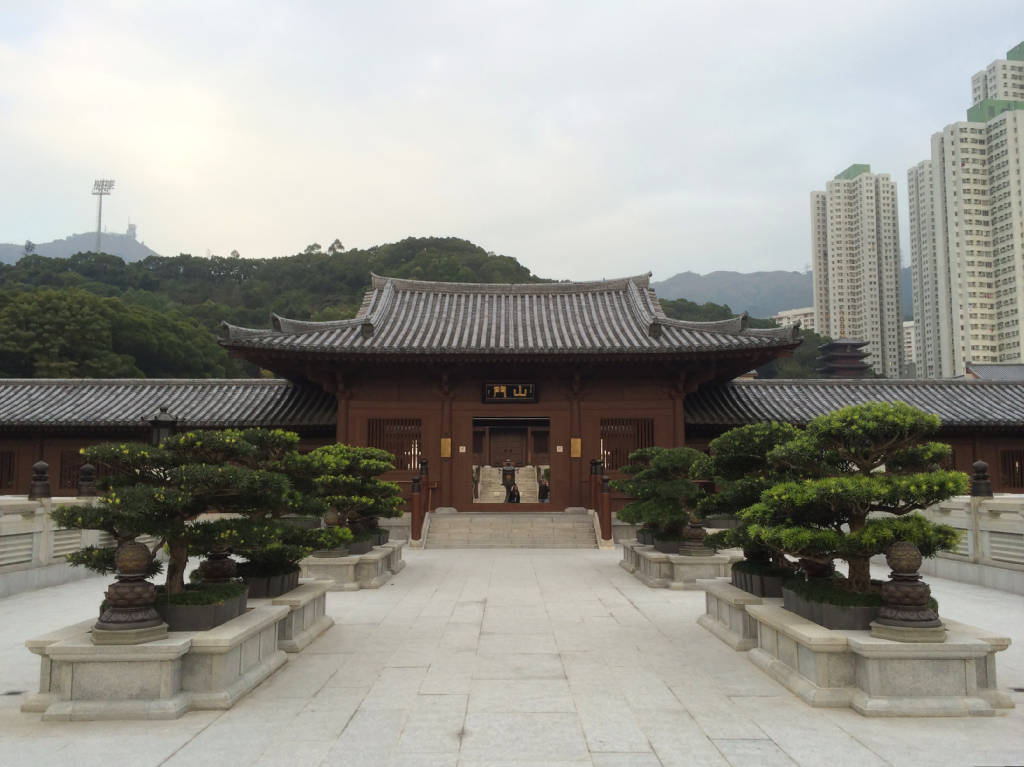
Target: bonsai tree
{"type": "Point", "coordinates": [857, 462]}
{"type": "Point", "coordinates": [269, 547]}
{"type": "Point", "coordinates": [739, 467]}
{"type": "Point", "coordinates": [162, 492]}
{"type": "Point", "coordinates": [345, 484]}
{"type": "Point", "coordinates": [660, 484]}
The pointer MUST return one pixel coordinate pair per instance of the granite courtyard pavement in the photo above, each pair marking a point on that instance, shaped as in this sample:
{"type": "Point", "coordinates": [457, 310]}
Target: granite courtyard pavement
{"type": "Point", "coordinates": [473, 657]}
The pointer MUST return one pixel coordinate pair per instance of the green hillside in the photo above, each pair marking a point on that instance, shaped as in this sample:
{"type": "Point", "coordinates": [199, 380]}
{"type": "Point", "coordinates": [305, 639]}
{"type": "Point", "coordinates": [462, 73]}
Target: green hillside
{"type": "Point", "coordinates": [93, 315]}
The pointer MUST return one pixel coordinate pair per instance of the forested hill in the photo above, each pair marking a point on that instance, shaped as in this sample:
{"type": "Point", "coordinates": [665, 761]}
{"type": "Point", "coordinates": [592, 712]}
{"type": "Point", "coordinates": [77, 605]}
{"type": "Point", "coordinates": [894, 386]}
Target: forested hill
{"type": "Point", "coordinates": [81, 325]}
{"type": "Point", "coordinates": [93, 315]}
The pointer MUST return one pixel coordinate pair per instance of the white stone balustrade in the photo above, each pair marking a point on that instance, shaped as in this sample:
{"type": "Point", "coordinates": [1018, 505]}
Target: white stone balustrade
{"type": "Point", "coordinates": [991, 549]}
{"type": "Point", "coordinates": [33, 548]}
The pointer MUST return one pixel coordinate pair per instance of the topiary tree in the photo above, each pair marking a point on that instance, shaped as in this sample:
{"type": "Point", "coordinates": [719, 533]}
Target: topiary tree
{"type": "Point", "coordinates": [857, 461]}
{"type": "Point", "coordinates": [162, 492]}
{"type": "Point", "coordinates": [664, 495]}
{"type": "Point", "coordinates": [345, 480]}
{"type": "Point", "coordinates": [739, 467]}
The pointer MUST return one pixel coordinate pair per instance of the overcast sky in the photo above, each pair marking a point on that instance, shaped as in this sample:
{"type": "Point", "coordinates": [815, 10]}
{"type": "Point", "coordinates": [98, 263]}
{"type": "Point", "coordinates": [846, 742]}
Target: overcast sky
{"type": "Point", "coordinates": [586, 139]}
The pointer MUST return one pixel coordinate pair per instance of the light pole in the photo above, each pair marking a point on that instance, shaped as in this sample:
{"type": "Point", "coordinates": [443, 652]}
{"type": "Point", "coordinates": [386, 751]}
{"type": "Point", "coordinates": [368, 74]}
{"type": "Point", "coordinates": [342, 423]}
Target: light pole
{"type": "Point", "coordinates": [101, 187]}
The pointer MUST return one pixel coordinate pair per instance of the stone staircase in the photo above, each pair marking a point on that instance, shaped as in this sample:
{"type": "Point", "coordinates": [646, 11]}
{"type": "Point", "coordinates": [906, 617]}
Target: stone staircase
{"type": "Point", "coordinates": [510, 530]}
{"type": "Point", "coordinates": [490, 489]}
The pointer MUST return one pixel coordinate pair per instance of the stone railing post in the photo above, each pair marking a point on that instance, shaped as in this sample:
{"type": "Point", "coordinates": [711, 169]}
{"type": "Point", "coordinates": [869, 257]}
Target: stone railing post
{"type": "Point", "coordinates": [416, 510]}
{"type": "Point", "coordinates": [981, 490]}
{"type": "Point", "coordinates": [604, 509]}
{"type": "Point", "coordinates": [40, 485]}
{"type": "Point", "coordinates": [87, 481]}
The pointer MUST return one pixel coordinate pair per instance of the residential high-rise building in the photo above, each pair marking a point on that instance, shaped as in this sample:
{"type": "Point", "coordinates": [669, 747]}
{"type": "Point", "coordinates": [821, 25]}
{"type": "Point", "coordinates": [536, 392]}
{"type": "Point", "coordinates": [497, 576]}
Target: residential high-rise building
{"type": "Point", "coordinates": [909, 349]}
{"type": "Point", "coordinates": [856, 264]}
{"type": "Point", "coordinates": [967, 230]}
{"type": "Point", "coordinates": [787, 317]}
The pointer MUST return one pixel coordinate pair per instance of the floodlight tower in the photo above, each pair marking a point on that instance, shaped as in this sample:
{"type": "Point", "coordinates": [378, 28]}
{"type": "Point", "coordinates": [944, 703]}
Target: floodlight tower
{"type": "Point", "coordinates": [100, 187]}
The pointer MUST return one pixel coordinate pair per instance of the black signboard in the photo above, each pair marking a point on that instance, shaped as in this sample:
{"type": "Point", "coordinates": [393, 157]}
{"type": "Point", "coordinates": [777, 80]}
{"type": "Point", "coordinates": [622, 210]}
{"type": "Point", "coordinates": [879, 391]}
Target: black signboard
{"type": "Point", "coordinates": [510, 392]}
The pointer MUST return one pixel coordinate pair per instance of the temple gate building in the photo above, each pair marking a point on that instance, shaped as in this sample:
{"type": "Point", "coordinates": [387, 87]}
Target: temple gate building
{"type": "Point", "coordinates": [546, 377]}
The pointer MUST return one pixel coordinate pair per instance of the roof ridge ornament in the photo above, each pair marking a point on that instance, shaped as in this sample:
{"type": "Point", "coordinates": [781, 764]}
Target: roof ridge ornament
{"type": "Point", "coordinates": [502, 288]}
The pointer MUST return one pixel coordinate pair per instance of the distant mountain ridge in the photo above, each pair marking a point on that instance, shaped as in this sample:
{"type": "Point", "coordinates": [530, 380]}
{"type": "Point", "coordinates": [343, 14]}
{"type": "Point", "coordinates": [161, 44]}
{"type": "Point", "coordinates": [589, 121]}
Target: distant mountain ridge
{"type": "Point", "coordinates": [761, 294]}
{"type": "Point", "coordinates": [125, 246]}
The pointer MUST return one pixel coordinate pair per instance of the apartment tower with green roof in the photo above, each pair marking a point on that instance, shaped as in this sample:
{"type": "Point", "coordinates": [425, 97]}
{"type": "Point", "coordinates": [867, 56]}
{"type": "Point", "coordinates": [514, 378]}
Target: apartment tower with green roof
{"type": "Point", "coordinates": [967, 230]}
{"type": "Point", "coordinates": [855, 260]}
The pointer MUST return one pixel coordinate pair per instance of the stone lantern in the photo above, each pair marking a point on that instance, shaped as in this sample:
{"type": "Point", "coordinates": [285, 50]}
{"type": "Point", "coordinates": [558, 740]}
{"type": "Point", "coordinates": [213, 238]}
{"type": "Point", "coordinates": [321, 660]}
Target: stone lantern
{"type": "Point", "coordinates": [163, 425]}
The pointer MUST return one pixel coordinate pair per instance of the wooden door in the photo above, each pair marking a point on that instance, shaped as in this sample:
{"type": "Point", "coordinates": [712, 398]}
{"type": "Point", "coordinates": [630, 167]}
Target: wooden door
{"type": "Point", "coordinates": [508, 444]}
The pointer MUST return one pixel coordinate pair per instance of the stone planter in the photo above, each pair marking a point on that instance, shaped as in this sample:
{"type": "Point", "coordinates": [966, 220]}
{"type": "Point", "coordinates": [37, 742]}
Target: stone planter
{"type": "Point", "coordinates": [268, 586]}
{"type": "Point", "coordinates": [853, 617]}
{"type": "Point", "coordinates": [302, 522]}
{"type": "Point", "coordinates": [307, 618]}
{"type": "Point", "coordinates": [880, 677]}
{"type": "Point", "coordinates": [157, 680]}
{"type": "Point", "coordinates": [645, 536]}
{"type": "Point", "coordinates": [341, 551]}
{"type": "Point", "coordinates": [721, 522]}
{"type": "Point", "coordinates": [200, 617]}
{"type": "Point", "coordinates": [757, 584]}
{"type": "Point", "coordinates": [360, 547]}
{"type": "Point", "coordinates": [667, 547]}
{"type": "Point", "coordinates": [381, 536]}
{"type": "Point", "coordinates": [673, 571]}
{"type": "Point", "coordinates": [357, 571]}
{"type": "Point", "coordinates": [725, 613]}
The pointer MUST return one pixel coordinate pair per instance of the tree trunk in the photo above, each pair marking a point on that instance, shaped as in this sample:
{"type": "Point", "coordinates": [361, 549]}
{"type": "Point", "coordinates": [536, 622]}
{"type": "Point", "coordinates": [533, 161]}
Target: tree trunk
{"type": "Point", "coordinates": [176, 567]}
{"type": "Point", "coordinates": [860, 574]}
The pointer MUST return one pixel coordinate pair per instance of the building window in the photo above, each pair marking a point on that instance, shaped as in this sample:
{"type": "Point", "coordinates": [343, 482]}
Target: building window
{"type": "Point", "coordinates": [621, 436]}
{"type": "Point", "coordinates": [1012, 464]}
{"type": "Point", "coordinates": [402, 437]}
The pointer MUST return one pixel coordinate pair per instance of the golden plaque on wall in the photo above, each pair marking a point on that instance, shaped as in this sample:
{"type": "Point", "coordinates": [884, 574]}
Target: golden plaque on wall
{"type": "Point", "coordinates": [575, 447]}
{"type": "Point", "coordinates": [510, 392]}
{"type": "Point", "coordinates": [446, 447]}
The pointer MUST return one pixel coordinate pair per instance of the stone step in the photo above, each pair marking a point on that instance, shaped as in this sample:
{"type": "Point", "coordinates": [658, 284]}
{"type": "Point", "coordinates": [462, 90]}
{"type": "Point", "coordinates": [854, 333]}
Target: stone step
{"type": "Point", "coordinates": [511, 530]}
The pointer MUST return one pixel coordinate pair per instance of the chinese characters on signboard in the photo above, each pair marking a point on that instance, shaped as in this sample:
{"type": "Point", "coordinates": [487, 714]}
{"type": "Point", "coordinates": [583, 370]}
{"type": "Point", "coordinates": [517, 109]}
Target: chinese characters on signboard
{"type": "Point", "coordinates": [510, 392]}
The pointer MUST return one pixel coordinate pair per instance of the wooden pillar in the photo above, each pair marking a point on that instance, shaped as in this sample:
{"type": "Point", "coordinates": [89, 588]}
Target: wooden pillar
{"type": "Point", "coordinates": [416, 510]}
{"type": "Point", "coordinates": [604, 509]}
{"type": "Point", "coordinates": [596, 471]}
{"type": "Point", "coordinates": [446, 494]}
{"type": "Point", "coordinates": [575, 432]}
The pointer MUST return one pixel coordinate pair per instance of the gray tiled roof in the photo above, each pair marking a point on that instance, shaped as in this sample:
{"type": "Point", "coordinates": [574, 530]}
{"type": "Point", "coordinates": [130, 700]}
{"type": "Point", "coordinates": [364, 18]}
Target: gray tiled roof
{"type": "Point", "coordinates": [209, 403]}
{"type": "Point", "coordinates": [996, 371]}
{"type": "Point", "coordinates": [130, 403]}
{"type": "Point", "coordinates": [959, 403]}
{"type": "Point", "coordinates": [411, 317]}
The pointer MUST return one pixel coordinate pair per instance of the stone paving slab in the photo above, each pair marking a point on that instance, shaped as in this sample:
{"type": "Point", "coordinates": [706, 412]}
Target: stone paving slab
{"type": "Point", "coordinates": [518, 657]}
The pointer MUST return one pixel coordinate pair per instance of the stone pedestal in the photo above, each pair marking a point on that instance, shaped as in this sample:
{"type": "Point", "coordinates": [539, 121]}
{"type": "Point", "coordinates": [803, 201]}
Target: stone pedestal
{"type": "Point", "coordinates": [906, 615]}
{"type": "Point", "coordinates": [357, 571]}
{"type": "Point", "coordinates": [673, 571]}
{"type": "Point", "coordinates": [876, 676]}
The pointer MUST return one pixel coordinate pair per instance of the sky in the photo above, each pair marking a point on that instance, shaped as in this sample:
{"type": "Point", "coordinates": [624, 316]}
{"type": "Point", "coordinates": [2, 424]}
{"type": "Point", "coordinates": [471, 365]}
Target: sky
{"type": "Point", "coordinates": [586, 139]}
